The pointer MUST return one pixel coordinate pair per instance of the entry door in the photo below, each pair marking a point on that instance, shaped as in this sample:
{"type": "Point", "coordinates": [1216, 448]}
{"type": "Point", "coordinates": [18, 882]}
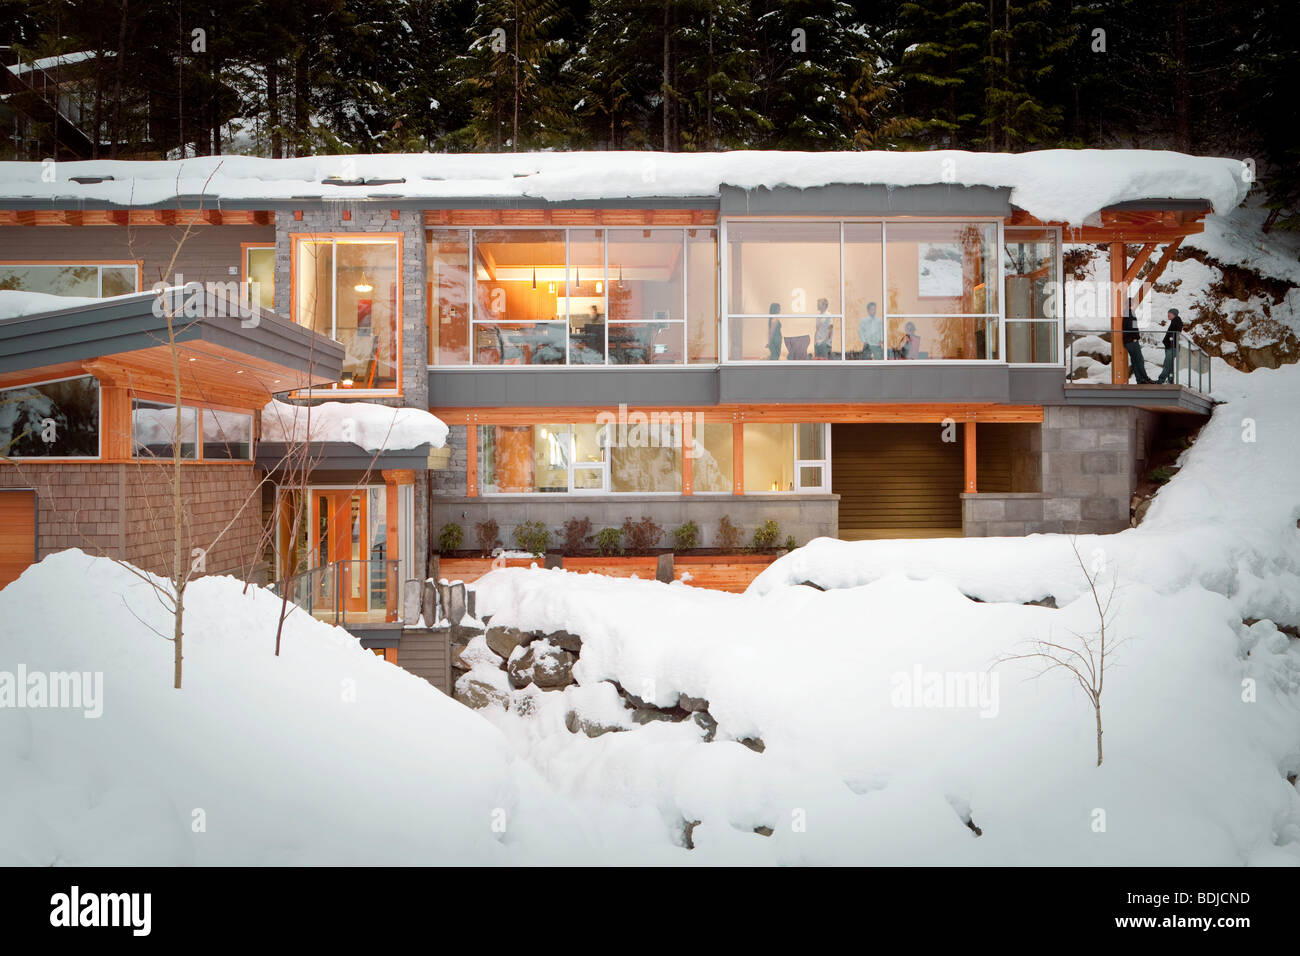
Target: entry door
{"type": "Point", "coordinates": [340, 533]}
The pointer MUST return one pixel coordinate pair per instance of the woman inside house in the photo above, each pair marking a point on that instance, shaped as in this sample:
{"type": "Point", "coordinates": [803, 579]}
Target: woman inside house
{"type": "Point", "coordinates": [773, 332]}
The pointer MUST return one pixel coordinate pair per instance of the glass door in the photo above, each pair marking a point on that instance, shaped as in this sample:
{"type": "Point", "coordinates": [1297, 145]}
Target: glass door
{"type": "Point", "coordinates": [340, 534]}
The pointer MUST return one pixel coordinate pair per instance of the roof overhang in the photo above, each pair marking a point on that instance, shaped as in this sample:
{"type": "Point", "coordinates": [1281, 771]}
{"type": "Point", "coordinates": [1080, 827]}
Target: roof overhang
{"type": "Point", "coordinates": [858, 199]}
{"type": "Point", "coordinates": [219, 347]}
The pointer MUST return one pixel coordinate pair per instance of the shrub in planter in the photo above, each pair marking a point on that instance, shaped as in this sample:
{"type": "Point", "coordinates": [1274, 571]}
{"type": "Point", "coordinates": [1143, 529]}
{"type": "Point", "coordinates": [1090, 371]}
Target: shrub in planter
{"type": "Point", "coordinates": [451, 537]}
{"type": "Point", "coordinates": [686, 536]}
{"type": "Point", "coordinates": [642, 536]}
{"type": "Point", "coordinates": [790, 542]}
{"type": "Point", "coordinates": [577, 532]}
{"type": "Point", "coordinates": [767, 535]}
{"type": "Point", "coordinates": [729, 535]}
{"type": "Point", "coordinates": [489, 535]}
{"type": "Point", "coordinates": [609, 541]}
{"type": "Point", "coordinates": [533, 537]}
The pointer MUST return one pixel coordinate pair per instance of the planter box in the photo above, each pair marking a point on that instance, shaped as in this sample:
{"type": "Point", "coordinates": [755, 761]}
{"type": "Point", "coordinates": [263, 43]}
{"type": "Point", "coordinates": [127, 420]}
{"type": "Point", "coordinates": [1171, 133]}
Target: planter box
{"type": "Point", "coordinates": [619, 566]}
{"type": "Point", "coordinates": [721, 572]}
{"type": "Point", "coordinates": [471, 569]}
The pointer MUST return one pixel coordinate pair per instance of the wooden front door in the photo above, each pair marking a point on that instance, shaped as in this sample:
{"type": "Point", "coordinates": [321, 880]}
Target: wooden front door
{"type": "Point", "coordinates": [340, 532]}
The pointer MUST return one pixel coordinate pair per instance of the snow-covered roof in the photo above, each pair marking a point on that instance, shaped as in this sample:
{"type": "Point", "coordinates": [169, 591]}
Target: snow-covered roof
{"type": "Point", "coordinates": [1053, 185]}
{"type": "Point", "coordinates": [376, 428]}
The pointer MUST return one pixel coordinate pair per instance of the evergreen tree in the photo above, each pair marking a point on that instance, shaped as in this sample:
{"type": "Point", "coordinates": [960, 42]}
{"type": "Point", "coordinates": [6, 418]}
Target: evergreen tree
{"type": "Point", "coordinates": [940, 70]}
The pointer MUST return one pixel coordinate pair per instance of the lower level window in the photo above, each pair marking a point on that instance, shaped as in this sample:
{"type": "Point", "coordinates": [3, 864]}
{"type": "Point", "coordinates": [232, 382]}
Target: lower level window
{"type": "Point", "coordinates": [583, 457]}
{"type": "Point", "coordinates": [785, 457]}
{"type": "Point", "coordinates": [51, 420]}
{"type": "Point", "coordinates": [226, 436]}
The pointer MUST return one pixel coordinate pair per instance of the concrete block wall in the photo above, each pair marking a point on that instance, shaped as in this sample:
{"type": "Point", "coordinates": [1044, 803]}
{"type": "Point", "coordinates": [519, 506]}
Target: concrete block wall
{"type": "Point", "coordinates": [124, 511]}
{"type": "Point", "coordinates": [805, 517]}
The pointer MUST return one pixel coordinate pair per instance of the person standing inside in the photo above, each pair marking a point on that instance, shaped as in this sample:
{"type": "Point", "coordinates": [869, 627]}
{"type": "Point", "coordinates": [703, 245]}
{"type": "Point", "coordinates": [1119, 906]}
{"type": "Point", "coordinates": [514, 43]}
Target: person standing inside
{"type": "Point", "coordinates": [1133, 346]}
{"type": "Point", "coordinates": [824, 332]}
{"type": "Point", "coordinates": [1171, 348]}
{"type": "Point", "coordinates": [871, 333]}
{"type": "Point", "coordinates": [773, 332]}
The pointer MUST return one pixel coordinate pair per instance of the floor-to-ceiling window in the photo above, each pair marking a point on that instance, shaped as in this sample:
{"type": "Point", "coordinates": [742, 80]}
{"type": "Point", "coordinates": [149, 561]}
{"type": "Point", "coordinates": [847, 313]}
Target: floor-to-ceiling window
{"type": "Point", "coordinates": [349, 288]}
{"type": "Point", "coordinates": [891, 290]}
{"type": "Point", "coordinates": [1034, 302]}
{"type": "Point", "coordinates": [576, 296]}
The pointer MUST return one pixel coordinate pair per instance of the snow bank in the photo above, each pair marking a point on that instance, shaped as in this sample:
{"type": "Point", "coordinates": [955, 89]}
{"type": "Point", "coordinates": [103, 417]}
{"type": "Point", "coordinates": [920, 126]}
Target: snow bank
{"type": "Point", "coordinates": [373, 427]}
{"type": "Point", "coordinates": [861, 766]}
{"type": "Point", "coordinates": [323, 755]}
{"type": "Point", "coordinates": [1067, 185]}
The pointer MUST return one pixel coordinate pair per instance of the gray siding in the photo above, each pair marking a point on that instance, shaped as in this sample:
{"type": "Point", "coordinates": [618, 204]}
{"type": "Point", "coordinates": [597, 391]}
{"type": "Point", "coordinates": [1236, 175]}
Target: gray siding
{"type": "Point", "coordinates": [427, 654]}
{"type": "Point", "coordinates": [207, 254]}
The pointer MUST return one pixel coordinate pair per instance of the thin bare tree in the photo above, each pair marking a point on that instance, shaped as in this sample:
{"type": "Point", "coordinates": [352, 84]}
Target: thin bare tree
{"type": "Point", "coordinates": [1088, 656]}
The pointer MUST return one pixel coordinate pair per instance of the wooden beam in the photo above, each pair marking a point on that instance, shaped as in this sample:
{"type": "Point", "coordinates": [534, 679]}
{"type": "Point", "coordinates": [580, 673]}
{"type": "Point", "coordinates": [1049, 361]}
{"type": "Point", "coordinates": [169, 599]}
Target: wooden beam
{"type": "Point", "coordinates": [737, 458]}
{"type": "Point", "coordinates": [1138, 262]}
{"type": "Point", "coordinates": [1154, 276]}
{"type": "Point", "coordinates": [1118, 357]}
{"type": "Point", "coordinates": [688, 460]}
{"type": "Point", "coordinates": [968, 433]}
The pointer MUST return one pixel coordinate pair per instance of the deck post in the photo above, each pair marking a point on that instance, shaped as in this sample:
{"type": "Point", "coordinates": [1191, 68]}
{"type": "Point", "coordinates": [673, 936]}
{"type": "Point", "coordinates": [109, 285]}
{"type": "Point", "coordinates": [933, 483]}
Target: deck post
{"type": "Point", "coordinates": [1118, 357]}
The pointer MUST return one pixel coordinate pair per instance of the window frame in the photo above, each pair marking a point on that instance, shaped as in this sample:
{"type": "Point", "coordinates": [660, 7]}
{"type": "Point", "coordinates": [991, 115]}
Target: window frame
{"type": "Point", "coordinates": [724, 287]}
{"type": "Point", "coordinates": [797, 462]}
{"type": "Point", "coordinates": [296, 239]}
{"type": "Point", "coordinates": [473, 321]}
{"type": "Point", "coordinates": [100, 264]}
{"type": "Point", "coordinates": [99, 429]}
{"type": "Point", "coordinates": [244, 249]}
{"type": "Point", "coordinates": [199, 408]}
{"type": "Point", "coordinates": [1059, 266]}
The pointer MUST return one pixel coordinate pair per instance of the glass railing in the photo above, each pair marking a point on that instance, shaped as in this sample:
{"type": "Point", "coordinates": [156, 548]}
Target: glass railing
{"type": "Point", "coordinates": [347, 592]}
{"type": "Point", "coordinates": [1089, 356]}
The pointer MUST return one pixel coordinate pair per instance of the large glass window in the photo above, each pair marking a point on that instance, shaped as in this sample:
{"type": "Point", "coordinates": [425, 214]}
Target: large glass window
{"type": "Point", "coordinates": [448, 296]}
{"type": "Point", "coordinates": [647, 296]}
{"type": "Point", "coordinates": [153, 430]}
{"type": "Point", "coordinates": [520, 315]}
{"type": "Point", "coordinates": [227, 435]}
{"type": "Point", "coordinates": [712, 469]}
{"type": "Point", "coordinates": [1033, 294]}
{"type": "Point", "coordinates": [582, 457]}
{"type": "Point", "coordinates": [92, 280]}
{"type": "Point", "coordinates": [51, 420]}
{"type": "Point", "coordinates": [941, 300]}
{"type": "Point", "coordinates": [864, 291]}
{"type": "Point", "coordinates": [347, 288]}
{"type": "Point", "coordinates": [784, 290]}
{"type": "Point", "coordinates": [702, 295]}
{"type": "Point", "coordinates": [783, 457]}
{"type": "Point", "coordinates": [626, 296]}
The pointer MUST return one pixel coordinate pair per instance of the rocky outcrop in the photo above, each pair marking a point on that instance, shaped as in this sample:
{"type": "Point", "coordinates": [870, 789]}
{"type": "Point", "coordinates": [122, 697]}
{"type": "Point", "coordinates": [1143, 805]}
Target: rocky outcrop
{"type": "Point", "coordinates": [542, 663]}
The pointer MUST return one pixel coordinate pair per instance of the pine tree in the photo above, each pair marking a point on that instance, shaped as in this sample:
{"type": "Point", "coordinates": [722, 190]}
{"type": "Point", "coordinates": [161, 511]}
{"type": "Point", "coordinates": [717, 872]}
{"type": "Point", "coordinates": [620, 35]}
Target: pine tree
{"type": "Point", "coordinates": [940, 70]}
{"type": "Point", "coordinates": [1025, 42]}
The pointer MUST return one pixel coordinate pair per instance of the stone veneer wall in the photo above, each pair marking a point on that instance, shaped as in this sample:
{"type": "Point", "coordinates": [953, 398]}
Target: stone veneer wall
{"type": "Point", "coordinates": [805, 517]}
{"type": "Point", "coordinates": [1090, 458]}
{"type": "Point", "coordinates": [124, 511]}
{"type": "Point", "coordinates": [367, 217]}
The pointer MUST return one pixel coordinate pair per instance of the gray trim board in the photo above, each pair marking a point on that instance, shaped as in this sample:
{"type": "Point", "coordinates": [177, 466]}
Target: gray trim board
{"type": "Point", "coordinates": [342, 456]}
{"type": "Point", "coordinates": [778, 382]}
{"type": "Point", "coordinates": [1174, 398]}
{"type": "Point", "coordinates": [680, 386]}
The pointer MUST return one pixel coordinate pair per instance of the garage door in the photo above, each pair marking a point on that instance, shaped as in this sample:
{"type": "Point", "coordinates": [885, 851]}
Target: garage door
{"type": "Point", "coordinates": [17, 532]}
{"type": "Point", "coordinates": [896, 480]}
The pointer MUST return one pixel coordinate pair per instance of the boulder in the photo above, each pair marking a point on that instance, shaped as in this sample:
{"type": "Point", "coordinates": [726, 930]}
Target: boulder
{"type": "Point", "coordinates": [477, 694]}
{"type": "Point", "coordinates": [704, 720]}
{"type": "Point", "coordinates": [753, 743]}
{"type": "Point", "coordinates": [543, 664]}
{"type": "Point", "coordinates": [692, 704]}
{"type": "Point", "coordinates": [576, 724]}
{"type": "Point", "coordinates": [503, 640]}
{"type": "Point", "coordinates": [570, 642]}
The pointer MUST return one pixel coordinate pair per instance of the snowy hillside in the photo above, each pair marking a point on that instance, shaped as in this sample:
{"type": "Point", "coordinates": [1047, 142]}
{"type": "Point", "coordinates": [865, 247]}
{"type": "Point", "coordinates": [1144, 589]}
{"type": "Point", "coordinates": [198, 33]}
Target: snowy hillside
{"type": "Point", "coordinates": [830, 682]}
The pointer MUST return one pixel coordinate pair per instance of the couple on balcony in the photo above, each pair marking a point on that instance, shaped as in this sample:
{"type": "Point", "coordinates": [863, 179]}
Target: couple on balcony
{"type": "Point", "coordinates": [1133, 345]}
